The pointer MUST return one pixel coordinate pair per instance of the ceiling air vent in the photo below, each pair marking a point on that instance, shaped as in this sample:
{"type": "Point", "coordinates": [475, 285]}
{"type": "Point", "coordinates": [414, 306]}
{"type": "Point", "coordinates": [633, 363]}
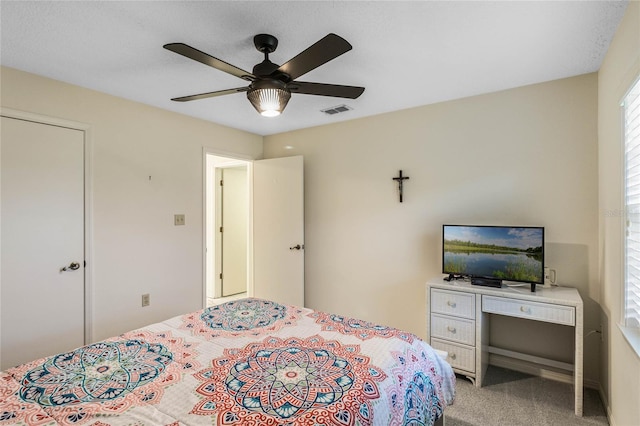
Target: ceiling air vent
{"type": "Point", "coordinates": [336, 109]}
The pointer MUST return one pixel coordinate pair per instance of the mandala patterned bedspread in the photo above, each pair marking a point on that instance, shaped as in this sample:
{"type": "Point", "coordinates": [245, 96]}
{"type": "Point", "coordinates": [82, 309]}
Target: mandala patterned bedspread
{"type": "Point", "coordinates": [246, 362]}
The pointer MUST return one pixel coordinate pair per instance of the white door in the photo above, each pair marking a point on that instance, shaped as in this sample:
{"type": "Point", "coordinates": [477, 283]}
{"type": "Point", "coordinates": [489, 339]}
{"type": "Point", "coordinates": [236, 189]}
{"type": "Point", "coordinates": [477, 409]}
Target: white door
{"type": "Point", "coordinates": [278, 230]}
{"type": "Point", "coordinates": [42, 221]}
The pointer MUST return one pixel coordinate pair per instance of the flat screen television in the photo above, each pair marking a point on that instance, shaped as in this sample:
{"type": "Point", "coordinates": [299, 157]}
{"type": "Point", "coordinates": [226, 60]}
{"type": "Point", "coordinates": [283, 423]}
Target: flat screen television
{"type": "Point", "coordinates": [491, 254]}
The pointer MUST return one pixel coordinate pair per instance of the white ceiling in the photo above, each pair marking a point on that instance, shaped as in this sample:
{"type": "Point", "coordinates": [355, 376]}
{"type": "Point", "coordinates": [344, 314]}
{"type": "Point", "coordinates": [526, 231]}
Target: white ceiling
{"type": "Point", "coordinates": [405, 53]}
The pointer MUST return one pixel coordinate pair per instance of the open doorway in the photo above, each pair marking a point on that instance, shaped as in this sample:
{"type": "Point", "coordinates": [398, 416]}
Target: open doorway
{"type": "Point", "coordinates": [227, 228]}
{"type": "Point", "coordinates": [273, 261]}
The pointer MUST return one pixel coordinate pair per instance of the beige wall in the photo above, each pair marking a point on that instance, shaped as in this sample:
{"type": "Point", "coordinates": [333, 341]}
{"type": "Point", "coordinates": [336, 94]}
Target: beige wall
{"type": "Point", "coordinates": [526, 156]}
{"type": "Point", "coordinates": [620, 364]}
{"type": "Point", "coordinates": [136, 247]}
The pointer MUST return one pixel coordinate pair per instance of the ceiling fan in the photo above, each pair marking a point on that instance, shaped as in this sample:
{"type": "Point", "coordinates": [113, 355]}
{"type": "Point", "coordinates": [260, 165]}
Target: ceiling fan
{"type": "Point", "coordinates": [271, 84]}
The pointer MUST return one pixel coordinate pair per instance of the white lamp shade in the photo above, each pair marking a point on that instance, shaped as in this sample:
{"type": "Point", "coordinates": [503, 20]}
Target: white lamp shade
{"type": "Point", "coordinates": [269, 101]}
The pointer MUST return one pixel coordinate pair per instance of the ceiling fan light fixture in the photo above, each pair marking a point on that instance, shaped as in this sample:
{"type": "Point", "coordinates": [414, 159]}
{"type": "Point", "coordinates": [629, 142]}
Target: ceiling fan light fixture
{"type": "Point", "coordinates": [271, 84]}
{"type": "Point", "coordinates": [268, 98]}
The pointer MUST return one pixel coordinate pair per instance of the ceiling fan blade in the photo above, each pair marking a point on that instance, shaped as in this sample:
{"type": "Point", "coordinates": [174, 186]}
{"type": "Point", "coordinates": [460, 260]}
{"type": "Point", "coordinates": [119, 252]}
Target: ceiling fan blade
{"type": "Point", "coordinates": [197, 55]}
{"type": "Point", "coordinates": [210, 94]}
{"type": "Point", "coordinates": [336, 90]}
{"type": "Point", "coordinates": [324, 50]}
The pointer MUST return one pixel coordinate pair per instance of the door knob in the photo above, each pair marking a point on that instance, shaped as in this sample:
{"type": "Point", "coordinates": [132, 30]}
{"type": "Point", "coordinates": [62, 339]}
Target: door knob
{"type": "Point", "coordinates": [73, 266]}
{"type": "Point", "coordinates": [297, 247]}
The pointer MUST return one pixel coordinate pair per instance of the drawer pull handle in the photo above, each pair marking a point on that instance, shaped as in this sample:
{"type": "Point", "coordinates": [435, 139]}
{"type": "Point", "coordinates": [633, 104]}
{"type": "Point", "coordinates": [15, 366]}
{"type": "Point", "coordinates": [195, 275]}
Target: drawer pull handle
{"type": "Point", "coordinates": [452, 304]}
{"type": "Point", "coordinates": [451, 329]}
{"type": "Point", "coordinates": [452, 356]}
{"type": "Point", "coordinates": [525, 309]}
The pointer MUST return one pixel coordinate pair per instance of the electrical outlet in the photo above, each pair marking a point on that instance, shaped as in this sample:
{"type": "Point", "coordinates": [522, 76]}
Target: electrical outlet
{"type": "Point", "coordinates": [178, 219]}
{"type": "Point", "coordinates": [549, 276]}
{"type": "Point", "coordinates": [145, 300]}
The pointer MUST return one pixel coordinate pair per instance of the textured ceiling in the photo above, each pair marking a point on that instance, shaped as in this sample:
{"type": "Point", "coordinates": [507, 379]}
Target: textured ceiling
{"type": "Point", "coordinates": [405, 54]}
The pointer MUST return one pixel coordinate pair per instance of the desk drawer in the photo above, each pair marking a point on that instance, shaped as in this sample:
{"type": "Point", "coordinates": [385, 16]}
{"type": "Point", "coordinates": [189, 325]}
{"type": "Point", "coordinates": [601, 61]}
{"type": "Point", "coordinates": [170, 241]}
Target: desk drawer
{"type": "Point", "coordinates": [457, 303]}
{"type": "Point", "coordinates": [456, 329]}
{"type": "Point", "coordinates": [459, 356]}
{"type": "Point", "coordinates": [538, 311]}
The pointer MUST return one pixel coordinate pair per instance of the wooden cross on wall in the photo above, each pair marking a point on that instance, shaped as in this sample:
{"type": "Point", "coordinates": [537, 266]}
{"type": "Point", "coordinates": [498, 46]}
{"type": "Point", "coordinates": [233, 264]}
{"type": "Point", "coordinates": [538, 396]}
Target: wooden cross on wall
{"type": "Point", "coordinates": [400, 179]}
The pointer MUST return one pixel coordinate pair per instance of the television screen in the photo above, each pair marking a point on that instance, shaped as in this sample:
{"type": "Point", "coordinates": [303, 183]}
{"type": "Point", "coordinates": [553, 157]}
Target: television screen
{"type": "Point", "coordinates": [502, 252]}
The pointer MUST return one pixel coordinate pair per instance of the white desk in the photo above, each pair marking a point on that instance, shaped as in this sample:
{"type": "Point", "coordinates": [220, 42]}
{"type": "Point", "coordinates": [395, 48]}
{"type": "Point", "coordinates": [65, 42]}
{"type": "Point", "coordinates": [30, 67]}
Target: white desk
{"type": "Point", "coordinates": [458, 323]}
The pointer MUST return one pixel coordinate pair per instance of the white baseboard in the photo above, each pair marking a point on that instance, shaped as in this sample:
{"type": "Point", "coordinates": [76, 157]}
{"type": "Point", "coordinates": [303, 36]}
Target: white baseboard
{"type": "Point", "coordinates": [606, 405]}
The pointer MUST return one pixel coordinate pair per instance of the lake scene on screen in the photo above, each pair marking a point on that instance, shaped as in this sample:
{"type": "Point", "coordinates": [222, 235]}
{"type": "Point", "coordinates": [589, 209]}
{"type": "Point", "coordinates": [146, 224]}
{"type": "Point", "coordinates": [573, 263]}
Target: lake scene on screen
{"type": "Point", "coordinates": [514, 254]}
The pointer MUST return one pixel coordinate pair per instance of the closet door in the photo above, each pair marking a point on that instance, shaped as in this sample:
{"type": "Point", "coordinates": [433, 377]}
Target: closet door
{"type": "Point", "coordinates": [233, 230]}
{"type": "Point", "coordinates": [42, 233]}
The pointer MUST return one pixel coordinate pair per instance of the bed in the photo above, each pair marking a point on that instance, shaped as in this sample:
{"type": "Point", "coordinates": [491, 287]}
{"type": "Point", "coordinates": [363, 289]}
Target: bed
{"type": "Point", "coordinates": [245, 362]}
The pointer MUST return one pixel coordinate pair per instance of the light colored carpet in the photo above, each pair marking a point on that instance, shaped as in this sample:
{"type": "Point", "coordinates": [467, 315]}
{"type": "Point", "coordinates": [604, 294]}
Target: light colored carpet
{"type": "Point", "coordinates": [511, 398]}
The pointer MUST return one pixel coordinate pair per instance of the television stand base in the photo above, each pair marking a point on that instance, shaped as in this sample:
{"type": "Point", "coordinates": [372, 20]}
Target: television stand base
{"type": "Point", "coordinates": [487, 282]}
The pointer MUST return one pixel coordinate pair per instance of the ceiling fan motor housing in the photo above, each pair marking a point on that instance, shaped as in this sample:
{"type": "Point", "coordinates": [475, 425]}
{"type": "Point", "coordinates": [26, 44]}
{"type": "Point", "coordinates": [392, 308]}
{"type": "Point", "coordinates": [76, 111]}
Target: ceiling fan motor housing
{"type": "Point", "coordinates": [267, 83]}
{"type": "Point", "coordinates": [264, 68]}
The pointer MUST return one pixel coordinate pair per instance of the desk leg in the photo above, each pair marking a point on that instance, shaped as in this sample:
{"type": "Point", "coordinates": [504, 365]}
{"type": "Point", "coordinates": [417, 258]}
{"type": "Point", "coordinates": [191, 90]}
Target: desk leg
{"type": "Point", "coordinates": [578, 360]}
{"type": "Point", "coordinates": [482, 342]}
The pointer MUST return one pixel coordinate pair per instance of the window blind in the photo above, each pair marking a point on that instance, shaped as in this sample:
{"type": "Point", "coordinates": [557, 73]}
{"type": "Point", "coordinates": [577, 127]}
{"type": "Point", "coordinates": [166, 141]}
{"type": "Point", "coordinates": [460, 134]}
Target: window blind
{"type": "Point", "coordinates": [631, 107]}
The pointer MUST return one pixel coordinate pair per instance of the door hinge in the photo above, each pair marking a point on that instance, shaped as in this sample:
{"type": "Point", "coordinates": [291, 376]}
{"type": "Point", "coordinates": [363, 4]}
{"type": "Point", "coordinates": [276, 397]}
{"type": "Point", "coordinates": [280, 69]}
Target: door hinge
{"type": "Point", "coordinates": [221, 182]}
{"type": "Point", "coordinates": [220, 275]}
{"type": "Point", "coordinates": [221, 229]}
{"type": "Point", "coordinates": [85, 263]}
